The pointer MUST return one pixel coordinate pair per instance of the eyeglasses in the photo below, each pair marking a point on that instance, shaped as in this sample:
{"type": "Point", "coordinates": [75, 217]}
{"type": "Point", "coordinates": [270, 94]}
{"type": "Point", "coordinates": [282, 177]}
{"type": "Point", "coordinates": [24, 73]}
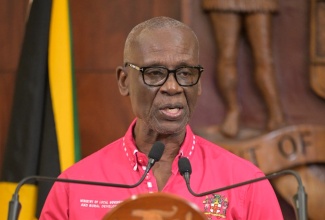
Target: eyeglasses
{"type": "Point", "coordinates": [158, 75]}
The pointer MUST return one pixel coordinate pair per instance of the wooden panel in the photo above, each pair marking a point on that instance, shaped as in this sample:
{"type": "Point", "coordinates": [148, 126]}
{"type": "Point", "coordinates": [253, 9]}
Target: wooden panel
{"type": "Point", "coordinates": [104, 115]}
{"type": "Point", "coordinates": [12, 19]}
{"type": "Point", "coordinates": [6, 94]}
{"type": "Point", "coordinates": [100, 28]}
{"type": "Point", "coordinates": [317, 47]}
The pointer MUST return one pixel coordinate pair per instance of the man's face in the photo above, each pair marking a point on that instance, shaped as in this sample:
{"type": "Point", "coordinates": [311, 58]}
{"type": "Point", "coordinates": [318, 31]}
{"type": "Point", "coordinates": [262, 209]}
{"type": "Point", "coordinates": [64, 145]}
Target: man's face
{"type": "Point", "coordinates": [168, 108]}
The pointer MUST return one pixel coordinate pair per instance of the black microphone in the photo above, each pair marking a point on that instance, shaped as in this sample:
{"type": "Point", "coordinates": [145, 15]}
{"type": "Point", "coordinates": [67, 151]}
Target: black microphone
{"type": "Point", "coordinates": [15, 206]}
{"type": "Point", "coordinates": [300, 198]}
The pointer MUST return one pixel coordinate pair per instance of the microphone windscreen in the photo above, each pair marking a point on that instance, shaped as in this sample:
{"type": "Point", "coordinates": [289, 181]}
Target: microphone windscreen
{"type": "Point", "coordinates": [156, 151]}
{"type": "Point", "coordinates": [184, 165]}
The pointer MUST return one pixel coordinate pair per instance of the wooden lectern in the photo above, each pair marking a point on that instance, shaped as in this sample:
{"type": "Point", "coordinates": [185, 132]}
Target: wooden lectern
{"type": "Point", "coordinates": [155, 206]}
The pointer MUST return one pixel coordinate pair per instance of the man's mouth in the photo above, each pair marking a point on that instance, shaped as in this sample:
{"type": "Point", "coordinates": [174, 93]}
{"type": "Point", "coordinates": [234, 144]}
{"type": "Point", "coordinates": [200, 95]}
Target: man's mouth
{"type": "Point", "coordinates": [172, 112]}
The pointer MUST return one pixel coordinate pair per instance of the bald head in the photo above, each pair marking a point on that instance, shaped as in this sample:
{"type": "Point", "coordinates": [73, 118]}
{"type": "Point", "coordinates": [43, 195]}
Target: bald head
{"type": "Point", "coordinates": [150, 25]}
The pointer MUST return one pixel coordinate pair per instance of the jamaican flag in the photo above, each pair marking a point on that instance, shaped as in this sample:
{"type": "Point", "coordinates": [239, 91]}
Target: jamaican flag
{"type": "Point", "coordinates": [43, 134]}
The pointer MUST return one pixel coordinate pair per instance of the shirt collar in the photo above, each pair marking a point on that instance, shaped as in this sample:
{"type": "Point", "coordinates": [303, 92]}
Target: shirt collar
{"type": "Point", "coordinates": [137, 158]}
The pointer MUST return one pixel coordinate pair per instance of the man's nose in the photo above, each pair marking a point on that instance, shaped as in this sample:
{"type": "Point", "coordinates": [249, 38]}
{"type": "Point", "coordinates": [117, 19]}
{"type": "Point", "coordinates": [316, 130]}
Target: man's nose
{"type": "Point", "coordinates": [171, 85]}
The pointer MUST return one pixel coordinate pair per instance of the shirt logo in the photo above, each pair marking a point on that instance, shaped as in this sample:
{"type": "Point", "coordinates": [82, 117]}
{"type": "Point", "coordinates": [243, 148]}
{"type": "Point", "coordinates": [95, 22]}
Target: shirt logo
{"type": "Point", "coordinates": [215, 205]}
{"type": "Point", "coordinates": [98, 203]}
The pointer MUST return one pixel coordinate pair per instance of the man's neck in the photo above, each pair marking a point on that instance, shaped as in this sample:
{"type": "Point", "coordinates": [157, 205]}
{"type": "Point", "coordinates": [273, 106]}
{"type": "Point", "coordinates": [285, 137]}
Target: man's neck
{"type": "Point", "coordinates": [145, 139]}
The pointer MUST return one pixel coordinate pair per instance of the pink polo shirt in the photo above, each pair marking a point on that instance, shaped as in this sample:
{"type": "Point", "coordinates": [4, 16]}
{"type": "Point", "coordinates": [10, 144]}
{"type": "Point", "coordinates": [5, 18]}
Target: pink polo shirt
{"type": "Point", "coordinates": [121, 162]}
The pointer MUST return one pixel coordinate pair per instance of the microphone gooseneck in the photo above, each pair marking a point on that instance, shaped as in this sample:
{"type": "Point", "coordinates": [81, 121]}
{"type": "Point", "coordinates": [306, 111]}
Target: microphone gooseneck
{"type": "Point", "coordinates": [300, 198]}
{"type": "Point", "coordinates": [14, 205]}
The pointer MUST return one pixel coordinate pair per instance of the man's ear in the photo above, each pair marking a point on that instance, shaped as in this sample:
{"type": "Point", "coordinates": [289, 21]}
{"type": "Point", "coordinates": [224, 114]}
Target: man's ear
{"type": "Point", "coordinates": [199, 92]}
{"type": "Point", "coordinates": [122, 81]}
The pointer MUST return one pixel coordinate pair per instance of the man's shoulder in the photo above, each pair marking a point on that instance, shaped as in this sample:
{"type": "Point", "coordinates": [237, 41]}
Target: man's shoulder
{"type": "Point", "coordinates": [218, 154]}
{"type": "Point", "coordinates": [96, 159]}
{"type": "Point", "coordinates": [210, 146]}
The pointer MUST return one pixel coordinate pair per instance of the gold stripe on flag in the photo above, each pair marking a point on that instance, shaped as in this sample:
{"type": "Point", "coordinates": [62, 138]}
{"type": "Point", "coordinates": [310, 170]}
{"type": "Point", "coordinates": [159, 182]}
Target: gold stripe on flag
{"type": "Point", "coordinates": [61, 81]}
{"type": "Point", "coordinates": [27, 198]}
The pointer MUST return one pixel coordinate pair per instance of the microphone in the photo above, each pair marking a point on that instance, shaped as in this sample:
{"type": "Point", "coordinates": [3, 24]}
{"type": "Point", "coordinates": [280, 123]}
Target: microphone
{"type": "Point", "coordinates": [14, 205]}
{"type": "Point", "coordinates": [300, 198]}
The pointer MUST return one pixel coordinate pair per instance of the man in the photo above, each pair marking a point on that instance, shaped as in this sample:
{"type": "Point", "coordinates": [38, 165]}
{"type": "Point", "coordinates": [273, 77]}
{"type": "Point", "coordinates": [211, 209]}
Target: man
{"type": "Point", "coordinates": [161, 75]}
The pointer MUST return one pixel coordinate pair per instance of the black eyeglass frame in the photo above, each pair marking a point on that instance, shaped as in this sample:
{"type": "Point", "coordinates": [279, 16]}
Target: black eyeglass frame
{"type": "Point", "coordinates": [143, 69]}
